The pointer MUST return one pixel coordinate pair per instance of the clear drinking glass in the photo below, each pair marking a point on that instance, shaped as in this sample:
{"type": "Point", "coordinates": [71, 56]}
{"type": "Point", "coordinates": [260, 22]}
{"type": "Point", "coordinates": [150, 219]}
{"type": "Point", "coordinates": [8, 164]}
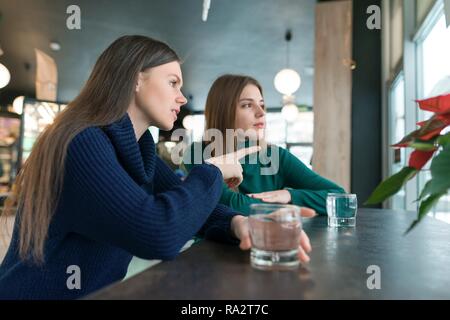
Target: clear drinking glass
{"type": "Point", "coordinates": [275, 234]}
{"type": "Point", "coordinates": [341, 210]}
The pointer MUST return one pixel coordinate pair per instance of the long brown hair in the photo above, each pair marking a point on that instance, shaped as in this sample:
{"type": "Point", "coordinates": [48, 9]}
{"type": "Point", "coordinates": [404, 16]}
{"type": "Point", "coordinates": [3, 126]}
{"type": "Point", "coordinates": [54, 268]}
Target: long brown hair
{"type": "Point", "coordinates": [220, 108]}
{"type": "Point", "coordinates": [103, 100]}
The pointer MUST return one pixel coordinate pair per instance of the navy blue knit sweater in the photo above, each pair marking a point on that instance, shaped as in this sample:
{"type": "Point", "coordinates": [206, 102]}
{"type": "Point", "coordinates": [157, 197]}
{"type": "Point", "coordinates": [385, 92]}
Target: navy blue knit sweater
{"type": "Point", "coordinates": [118, 200]}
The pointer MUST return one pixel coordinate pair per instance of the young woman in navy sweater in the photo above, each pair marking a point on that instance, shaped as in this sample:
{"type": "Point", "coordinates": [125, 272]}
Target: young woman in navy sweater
{"type": "Point", "coordinates": [93, 193]}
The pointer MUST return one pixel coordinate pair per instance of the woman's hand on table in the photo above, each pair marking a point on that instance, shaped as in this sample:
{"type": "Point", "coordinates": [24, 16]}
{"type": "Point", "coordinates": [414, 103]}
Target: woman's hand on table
{"type": "Point", "coordinates": [278, 196]}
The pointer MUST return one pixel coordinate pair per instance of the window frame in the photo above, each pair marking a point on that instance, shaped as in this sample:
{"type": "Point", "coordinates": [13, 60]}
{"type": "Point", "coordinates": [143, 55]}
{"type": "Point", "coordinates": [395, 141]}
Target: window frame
{"type": "Point", "coordinates": [392, 121]}
{"type": "Point", "coordinates": [424, 30]}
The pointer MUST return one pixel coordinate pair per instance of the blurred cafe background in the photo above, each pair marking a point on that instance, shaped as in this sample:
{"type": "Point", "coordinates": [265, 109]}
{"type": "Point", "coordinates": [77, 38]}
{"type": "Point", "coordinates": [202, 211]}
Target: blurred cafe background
{"type": "Point", "coordinates": [355, 80]}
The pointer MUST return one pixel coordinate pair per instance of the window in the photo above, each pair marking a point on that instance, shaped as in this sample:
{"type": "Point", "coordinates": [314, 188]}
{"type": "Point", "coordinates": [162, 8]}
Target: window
{"type": "Point", "coordinates": [297, 136]}
{"type": "Point", "coordinates": [198, 127]}
{"type": "Point", "coordinates": [276, 128]}
{"type": "Point", "coordinates": [433, 55]}
{"type": "Point", "coordinates": [397, 132]}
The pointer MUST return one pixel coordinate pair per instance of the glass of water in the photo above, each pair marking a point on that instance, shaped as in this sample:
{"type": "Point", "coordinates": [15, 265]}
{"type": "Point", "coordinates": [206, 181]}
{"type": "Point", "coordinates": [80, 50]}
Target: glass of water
{"type": "Point", "coordinates": [275, 234]}
{"type": "Point", "coordinates": [341, 210]}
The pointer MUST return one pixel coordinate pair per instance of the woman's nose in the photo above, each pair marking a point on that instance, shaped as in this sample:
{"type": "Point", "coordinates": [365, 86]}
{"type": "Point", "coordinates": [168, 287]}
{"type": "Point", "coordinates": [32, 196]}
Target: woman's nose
{"type": "Point", "coordinates": [260, 112]}
{"type": "Point", "coordinates": [181, 99]}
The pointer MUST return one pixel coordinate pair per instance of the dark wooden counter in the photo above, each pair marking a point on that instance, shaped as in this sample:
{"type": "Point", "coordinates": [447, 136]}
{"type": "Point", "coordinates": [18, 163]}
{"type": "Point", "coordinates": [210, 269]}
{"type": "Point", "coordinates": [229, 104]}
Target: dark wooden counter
{"type": "Point", "coordinates": [416, 266]}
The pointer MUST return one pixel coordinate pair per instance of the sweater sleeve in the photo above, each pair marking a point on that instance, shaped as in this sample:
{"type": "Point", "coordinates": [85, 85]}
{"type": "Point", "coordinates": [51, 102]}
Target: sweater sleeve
{"type": "Point", "coordinates": [237, 200]}
{"type": "Point", "coordinates": [113, 209]}
{"type": "Point", "coordinates": [217, 226]}
{"type": "Point", "coordinates": [306, 187]}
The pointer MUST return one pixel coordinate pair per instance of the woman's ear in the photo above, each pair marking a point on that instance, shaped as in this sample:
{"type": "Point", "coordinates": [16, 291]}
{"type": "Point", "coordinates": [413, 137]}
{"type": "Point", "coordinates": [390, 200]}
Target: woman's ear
{"type": "Point", "coordinates": [140, 79]}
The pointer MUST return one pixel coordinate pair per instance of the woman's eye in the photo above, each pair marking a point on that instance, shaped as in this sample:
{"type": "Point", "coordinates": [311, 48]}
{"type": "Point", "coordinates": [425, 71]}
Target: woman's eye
{"type": "Point", "coordinates": [173, 83]}
{"type": "Point", "coordinates": [247, 105]}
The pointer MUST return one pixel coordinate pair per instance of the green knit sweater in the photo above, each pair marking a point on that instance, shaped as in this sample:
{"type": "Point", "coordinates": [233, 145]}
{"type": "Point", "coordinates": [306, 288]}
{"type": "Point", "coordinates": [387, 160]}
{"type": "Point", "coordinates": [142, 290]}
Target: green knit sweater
{"type": "Point", "coordinates": [307, 188]}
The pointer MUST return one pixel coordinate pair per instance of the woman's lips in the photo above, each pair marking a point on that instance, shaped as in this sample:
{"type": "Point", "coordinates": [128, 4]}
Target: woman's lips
{"type": "Point", "coordinates": [260, 125]}
{"type": "Point", "coordinates": [175, 113]}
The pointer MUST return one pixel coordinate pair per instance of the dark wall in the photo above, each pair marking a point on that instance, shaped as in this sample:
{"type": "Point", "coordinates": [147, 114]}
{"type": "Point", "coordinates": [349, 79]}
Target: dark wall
{"type": "Point", "coordinates": [366, 104]}
{"type": "Point", "coordinates": [7, 96]}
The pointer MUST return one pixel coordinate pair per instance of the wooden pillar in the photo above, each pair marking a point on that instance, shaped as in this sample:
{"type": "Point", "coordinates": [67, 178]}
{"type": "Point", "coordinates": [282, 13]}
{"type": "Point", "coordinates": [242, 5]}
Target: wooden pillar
{"type": "Point", "coordinates": [333, 91]}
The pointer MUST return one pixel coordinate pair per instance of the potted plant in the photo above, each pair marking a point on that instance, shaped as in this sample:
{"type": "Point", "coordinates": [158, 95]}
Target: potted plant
{"type": "Point", "coordinates": [428, 142]}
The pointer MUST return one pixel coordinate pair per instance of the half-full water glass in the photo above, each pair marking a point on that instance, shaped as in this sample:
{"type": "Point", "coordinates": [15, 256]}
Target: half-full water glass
{"type": "Point", "coordinates": [275, 235]}
{"type": "Point", "coordinates": [341, 210]}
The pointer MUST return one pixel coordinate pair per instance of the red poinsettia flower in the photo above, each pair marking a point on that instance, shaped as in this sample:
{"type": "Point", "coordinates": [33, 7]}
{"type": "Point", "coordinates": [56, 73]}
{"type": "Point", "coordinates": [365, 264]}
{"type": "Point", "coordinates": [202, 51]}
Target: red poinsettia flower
{"type": "Point", "coordinates": [426, 141]}
{"type": "Point", "coordinates": [422, 123]}
{"type": "Point", "coordinates": [439, 123]}
{"type": "Point", "coordinates": [429, 129]}
{"type": "Point", "coordinates": [439, 104]}
{"type": "Point", "coordinates": [419, 159]}
{"type": "Point", "coordinates": [444, 117]}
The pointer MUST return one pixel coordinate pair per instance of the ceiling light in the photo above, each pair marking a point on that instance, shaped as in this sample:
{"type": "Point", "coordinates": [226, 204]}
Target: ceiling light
{"type": "Point", "coordinates": [188, 122]}
{"type": "Point", "coordinates": [206, 5]}
{"type": "Point", "coordinates": [55, 46]}
{"type": "Point", "coordinates": [18, 104]}
{"type": "Point", "coordinates": [287, 81]}
{"type": "Point", "coordinates": [5, 76]}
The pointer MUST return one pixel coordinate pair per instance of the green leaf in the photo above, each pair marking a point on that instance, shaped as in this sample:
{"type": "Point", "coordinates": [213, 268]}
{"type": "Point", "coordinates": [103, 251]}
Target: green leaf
{"type": "Point", "coordinates": [432, 124]}
{"type": "Point", "coordinates": [429, 126]}
{"type": "Point", "coordinates": [424, 208]}
{"type": "Point", "coordinates": [408, 139]}
{"type": "Point", "coordinates": [391, 185]}
{"type": "Point", "coordinates": [440, 172]}
{"type": "Point", "coordinates": [444, 140]}
{"type": "Point", "coordinates": [423, 145]}
{"type": "Point", "coordinates": [425, 191]}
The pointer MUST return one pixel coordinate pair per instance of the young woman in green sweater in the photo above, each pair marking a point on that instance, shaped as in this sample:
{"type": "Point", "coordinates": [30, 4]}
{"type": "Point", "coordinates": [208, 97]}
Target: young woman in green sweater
{"type": "Point", "coordinates": [276, 176]}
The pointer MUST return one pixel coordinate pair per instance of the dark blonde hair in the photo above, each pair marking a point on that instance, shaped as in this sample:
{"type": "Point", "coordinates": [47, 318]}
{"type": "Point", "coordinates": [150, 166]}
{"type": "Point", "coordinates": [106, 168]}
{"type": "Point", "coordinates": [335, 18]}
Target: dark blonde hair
{"type": "Point", "coordinates": [103, 100]}
{"type": "Point", "coordinates": [220, 108]}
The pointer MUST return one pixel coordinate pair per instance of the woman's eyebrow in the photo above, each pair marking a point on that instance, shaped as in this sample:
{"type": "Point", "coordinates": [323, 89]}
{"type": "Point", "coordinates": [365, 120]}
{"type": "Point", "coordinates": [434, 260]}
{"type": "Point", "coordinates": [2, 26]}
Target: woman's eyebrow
{"type": "Point", "coordinates": [251, 100]}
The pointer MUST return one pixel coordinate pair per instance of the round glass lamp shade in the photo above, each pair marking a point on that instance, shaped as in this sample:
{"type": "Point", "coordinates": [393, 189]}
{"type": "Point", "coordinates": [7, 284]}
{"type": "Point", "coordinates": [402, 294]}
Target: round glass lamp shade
{"type": "Point", "coordinates": [287, 81]}
{"type": "Point", "coordinates": [18, 104]}
{"type": "Point", "coordinates": [5, 76]}
{"type": "Point", "coordinates": [188, 122]}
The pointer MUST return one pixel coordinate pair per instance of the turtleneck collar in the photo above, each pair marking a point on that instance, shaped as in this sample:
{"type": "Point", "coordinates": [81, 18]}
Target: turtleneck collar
{"type": "Point", "coordinates": [137, 157]}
